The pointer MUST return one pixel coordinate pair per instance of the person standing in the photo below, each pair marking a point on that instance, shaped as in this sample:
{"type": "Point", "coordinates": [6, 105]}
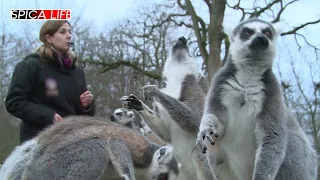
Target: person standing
{"type": "Point", "coordinates": [47, 85]}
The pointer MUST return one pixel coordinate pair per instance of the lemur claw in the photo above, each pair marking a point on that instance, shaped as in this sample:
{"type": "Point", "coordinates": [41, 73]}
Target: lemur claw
{"type": "Point", "coordinates": [131, 102]}
{"type": "Point", "coordinates": [206, 132]}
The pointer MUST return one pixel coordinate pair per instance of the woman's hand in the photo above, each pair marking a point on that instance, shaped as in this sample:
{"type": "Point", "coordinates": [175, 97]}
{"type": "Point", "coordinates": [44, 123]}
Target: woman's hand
{"type": "Point", "coordinates": [86, 99]}
{"type": "Point", "coordinates": [57, 118]}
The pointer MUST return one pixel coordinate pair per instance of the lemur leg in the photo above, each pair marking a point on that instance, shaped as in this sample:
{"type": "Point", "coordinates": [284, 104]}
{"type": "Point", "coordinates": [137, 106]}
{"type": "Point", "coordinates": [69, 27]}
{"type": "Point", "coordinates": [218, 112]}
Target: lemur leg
{"type": "Point", "coordinates": [203, 170]}
{"type": "Point", "coordinates": [120, 158]}
{"type": "Point", "coordinates": [181, 113]}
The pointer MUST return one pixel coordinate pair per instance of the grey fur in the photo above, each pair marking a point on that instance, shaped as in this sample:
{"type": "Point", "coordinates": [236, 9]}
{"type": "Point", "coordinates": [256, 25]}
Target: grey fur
{"type": "Point", "coordinates": [91, 148]}
{"type": "Point", "coordinates": [153, 121]}
{"type": "Point", "coordinates": [153, 137]}
{"type": "Point", "coordinates": [180, 105]}
{"type": "Point", "coordinates": [255, 136]}
{"type": "Point", "coordinates": [13, 166]}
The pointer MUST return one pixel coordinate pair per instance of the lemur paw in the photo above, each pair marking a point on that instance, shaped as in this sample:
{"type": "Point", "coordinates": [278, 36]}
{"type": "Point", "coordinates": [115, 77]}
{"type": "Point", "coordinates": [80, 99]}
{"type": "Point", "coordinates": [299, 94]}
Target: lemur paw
{"type": "Point", "coordinates": [149, 91]}
{"type": "Point", "coordinates": [207, 130]}
{"type": "Point", "coordinates": [131, 102]}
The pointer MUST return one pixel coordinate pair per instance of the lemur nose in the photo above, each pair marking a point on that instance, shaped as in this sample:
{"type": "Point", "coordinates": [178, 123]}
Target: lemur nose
{"type": "Point", "coordinates": [183, 40]}
{"type": "Point", "coordinates": [259, 42]}
{"type": "Point", "coordinates": [262, 39]}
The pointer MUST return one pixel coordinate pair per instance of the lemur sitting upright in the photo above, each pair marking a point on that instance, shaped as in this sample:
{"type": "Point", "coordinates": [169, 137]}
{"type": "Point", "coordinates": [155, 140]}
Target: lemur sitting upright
{"type": "Point", "coordinates": [254, 134]}
{"type": "Point", "coordinates": [178, 106]}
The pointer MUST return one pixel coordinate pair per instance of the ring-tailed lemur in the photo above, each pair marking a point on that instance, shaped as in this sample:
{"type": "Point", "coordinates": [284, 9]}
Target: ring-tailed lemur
{"type": "Point", "coordinates": [126, 117]}
{"type": "Point", "coordinates": [85, 148]}
{"type": "Point", "coordinates": [179, 105]}
{"type": "Point", "coordinates": [157, 125]}
{"type": "Point", "coordinates": [14, 164]}
{"type": "Point", "coordinates": [255, 136]}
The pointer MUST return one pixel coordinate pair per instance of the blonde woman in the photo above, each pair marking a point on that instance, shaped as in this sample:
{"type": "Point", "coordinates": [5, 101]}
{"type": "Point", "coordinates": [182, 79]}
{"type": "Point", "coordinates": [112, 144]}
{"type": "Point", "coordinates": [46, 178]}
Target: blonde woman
{"type": "Point", "coordinates": [47, 85]}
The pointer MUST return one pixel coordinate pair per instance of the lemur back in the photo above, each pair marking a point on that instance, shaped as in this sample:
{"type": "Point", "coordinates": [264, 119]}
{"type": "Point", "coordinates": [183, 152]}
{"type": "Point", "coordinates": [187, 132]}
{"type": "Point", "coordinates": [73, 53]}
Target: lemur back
{"type": "Point", "coordinates": [84, 148]}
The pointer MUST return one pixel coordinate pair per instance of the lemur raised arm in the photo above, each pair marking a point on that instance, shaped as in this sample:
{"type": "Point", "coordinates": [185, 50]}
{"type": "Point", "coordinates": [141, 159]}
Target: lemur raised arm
{"type": "Point", "coordinates": [83, 147]}
{"type": "Point", "coordinates": [157, 125]}
{"type": "Point", "coordinates": [254, 134]}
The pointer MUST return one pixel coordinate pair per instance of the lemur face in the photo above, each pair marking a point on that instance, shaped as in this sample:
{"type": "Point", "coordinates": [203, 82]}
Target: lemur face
{"type": "Point", "coordinates": [180, 63]}
{"type": "Point", "coordinates": [122, 116]}
{"type": "Point", "coordinates": [180, 50]}
{"type": "Point", "coordinates": [253, 38]}
{"type": "Point", "coordinates": [164, 164]}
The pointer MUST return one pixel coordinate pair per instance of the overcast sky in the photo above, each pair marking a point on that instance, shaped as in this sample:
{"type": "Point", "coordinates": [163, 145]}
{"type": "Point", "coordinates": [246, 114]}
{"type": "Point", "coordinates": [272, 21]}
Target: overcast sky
{"type": "Point", "coordinates": [104, 12]}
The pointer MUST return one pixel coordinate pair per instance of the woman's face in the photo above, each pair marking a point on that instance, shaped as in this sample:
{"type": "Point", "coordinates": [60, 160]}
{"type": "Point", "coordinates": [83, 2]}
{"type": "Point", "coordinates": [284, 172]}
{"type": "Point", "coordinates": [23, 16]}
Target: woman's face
{"type": "Point", "coordinates": [61, 40]}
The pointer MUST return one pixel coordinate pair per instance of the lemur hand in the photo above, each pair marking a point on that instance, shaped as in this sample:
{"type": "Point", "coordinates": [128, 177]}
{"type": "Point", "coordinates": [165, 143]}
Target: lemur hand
{"type": "Point", "coordinates": [131, 102]}
{"type": "Point", "coordinates": [208, 129]}
{"type": "Point", "coordinates": [149, 91]}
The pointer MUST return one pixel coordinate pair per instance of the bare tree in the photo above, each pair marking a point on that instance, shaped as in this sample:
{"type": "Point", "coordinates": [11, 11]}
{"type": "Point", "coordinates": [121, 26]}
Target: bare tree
{"type": "Point", "coordinates": [125, 57]}
{"type": "Point", "coordinates": [208, 27]}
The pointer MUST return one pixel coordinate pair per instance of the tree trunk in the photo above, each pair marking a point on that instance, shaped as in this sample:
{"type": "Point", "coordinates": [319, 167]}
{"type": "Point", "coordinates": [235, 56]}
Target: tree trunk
{"type": "Point", "coordinates": [215, 36]}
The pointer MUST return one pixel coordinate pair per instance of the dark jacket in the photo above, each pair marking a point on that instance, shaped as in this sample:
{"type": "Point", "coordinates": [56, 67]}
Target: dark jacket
{"type": "Point", "coordinates": [40, 89]}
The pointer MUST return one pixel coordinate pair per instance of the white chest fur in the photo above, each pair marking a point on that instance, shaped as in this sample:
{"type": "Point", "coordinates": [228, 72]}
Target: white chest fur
{"type": "Point", "coordinates": [183, 142]}
{"type": "Point", "coordinates": [243, 96]}
{"type": "Point", "coordinates": [175, 72]}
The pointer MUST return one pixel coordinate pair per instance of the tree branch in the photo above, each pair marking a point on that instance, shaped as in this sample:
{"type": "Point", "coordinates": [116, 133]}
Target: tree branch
{"type": "Point", "coordinates": [277, 18]}
{"type": "Point", "coordinates": [201, 38]}
{"type": "Point", "coordinates": [237, 7]}
{"type": "Point", "coordinates": [262, 10]}
{"type": "Point", "coordinates": [295, 29]}
{"type": "Point", "coordinates": [106, 66]}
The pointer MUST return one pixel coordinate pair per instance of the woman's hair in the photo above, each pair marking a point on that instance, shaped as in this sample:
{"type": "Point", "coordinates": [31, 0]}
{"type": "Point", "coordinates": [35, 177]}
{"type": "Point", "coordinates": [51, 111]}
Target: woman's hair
{"type": "Point", "coordinates": [46, 50]}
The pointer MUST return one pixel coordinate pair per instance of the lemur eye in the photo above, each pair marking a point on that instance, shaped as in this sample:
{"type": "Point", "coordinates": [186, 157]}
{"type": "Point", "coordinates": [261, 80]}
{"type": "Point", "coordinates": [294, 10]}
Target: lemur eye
{"type": "Point", "coordinates": [119, 113]}
{"type": "Point", "coordinates": [162, 151]}
{"type": "Point", "coordinates": [268, 34]}
{"type": "Point", "coordinates": [246, 33]}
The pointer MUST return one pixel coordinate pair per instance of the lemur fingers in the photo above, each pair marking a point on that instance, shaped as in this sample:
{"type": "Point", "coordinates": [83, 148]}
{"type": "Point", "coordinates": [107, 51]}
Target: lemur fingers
{"type": "Point", "coordinates": [202, 135]}
{"type": "Point", "coordinates": [208, 130]}
{"type": "Point", "coordinates": [131, 102]}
